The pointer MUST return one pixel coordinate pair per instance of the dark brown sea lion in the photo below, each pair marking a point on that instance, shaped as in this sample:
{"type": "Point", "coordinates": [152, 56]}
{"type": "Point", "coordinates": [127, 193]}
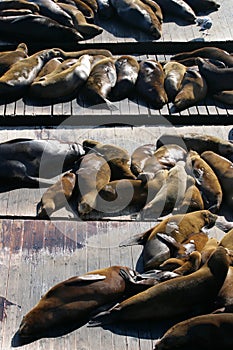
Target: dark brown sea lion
{"type": "Point", "coordinates": [127, 68]}
{"type": "Point", "coordinates": [225, 96]}
{"type": "Point", "coordinates": [206, 52]}
{"type": "Point", "coordinates": [18, 78]}
{"type": "Point", "coordinates": [62, 83]}
{"type": "Point", "coordinates": [223, 168]}
{"type": "Point", "coordinates": [57, 195]}
{"type": "Point", "coordinates": [218, 79]}
{"type": "Point", "coordinates": [101, 80]}
{"type": "Point", "coordinates": [203, 5]}
{"type": "Point", "coordinates": [69, 304]}
{"type": "Point", "coordinates": [167, 300]}
{"type": "Point", "coordinates": [40, 27]}
{"type": "Point", "coordinates": [88, 30]}
{"type": "Point", "coordinates": [117, 157]}
{"type": "Point", "coordinates": [210, 331]}
{"type": "Point", "coordinates": [150, 83]}
{"type": "Point", "coordinates": [207, 181]}
{"type": "Point", "coordinates": [8, 58]}
{"type": "Point", "coordinates": [174, 75]}
{"type": "Point", "coordinates": [178, 8]}
{"type": "Point", "coordinates": [139, 15]}
{"type": "Point", "coordinates": [179, 226]}
{"type": "Point", "coordinates": [18, 5]}
{"type": "Point", "coordinates": [198, 143]}
{"type": "Point", "coordinates": [193, 89]}
{"type": "Point", "coordinates": [92, 175]}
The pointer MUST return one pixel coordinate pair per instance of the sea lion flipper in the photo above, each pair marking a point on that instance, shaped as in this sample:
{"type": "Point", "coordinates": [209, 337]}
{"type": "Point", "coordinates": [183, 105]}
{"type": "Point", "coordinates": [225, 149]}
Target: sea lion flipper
{"type": "Point", "coordinates": [168, 240]}
{"type": "Point", "coordinates": [136, 239]}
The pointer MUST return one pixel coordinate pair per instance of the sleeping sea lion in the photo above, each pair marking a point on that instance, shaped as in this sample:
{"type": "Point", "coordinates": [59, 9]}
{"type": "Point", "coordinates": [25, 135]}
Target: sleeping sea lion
{"type": "Point", "coordinates": [8, 58]}
{"type": "Point", "coordinates": [203, 5]}
{"type": "Point", "coordinates": [139, 157]}
{"type": "Point", "coordinates": [193, 200]}
{"type": "Point", "coordinates": [178, 8]}
{"type": "Point", "coordinates": [166, 300]}
{"type": "Point", "coordinates": [49, 67]}
{"type": "Point", "coordinates": [174, 75]}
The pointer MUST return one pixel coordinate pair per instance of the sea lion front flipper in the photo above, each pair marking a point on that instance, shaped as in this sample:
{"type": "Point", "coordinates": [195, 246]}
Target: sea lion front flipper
{"type": "Point", "coordinates": [139, 239]}
{"type": "Point", "coordinates": [168, 240]}
{"type": "Point", "coordinates": [86, 278]}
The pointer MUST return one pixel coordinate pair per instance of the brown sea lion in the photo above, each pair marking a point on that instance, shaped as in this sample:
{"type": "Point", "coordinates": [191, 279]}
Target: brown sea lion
{"type": "Point", "coordinates": [192, 199]}
{"type": "Point", "coordinates": [178, 8]}
{"type": "Point", "coordinates": [57, 195]}
{"type": "Point", "coordinates": [101, 80]}
{"type": "Point", "coordinates": [8, 58]}
{"type": "Point", "coordinates": [166, 300]}
{"type": "Point", "coordinates": [85, 8]}
{"type": "Point", "coordinates": [139, 15]}
{"type": "Point", "coordinates": [140, 156]}
{"type": "Point", "coordinates": [227, 240]}
{"type": "Point", "coordinates": [18, 5]}
{"type": "Point", "coordinates": [224, 300]}
{"type": "Point", "coordinates": [208, 249]}
{"type": "Point", "coordinates": [199, 143]}
{"type": "Point", "coordinates": [210, 331]}
{"type": "Point", "coordinates": [88, 30]}
{"type": "Point", "coordinates": [174, 75]}
{"type": "Point", "coordinates": [69, 304]}
{"type": "Point", "coordinates": [206, 52]}
{"type": "Point", "coordinates": [49, 67]}
{"type": "Point", "coordinates": [179, 226]}
{"type": "Point", "coordinates": [18, 78]}
{"type": "Point", "coordinates": [127, 68]}
{"type": "Point", "coordinates": [225, 96]}
{"type": "Point", "coordinates": [223, 168]}
{"type": "Point", "coordinates": [155, 8]}
{"type": "Point", "coordinates": [150, 83]}
{"type": "Point", "coordinates": [62, 83]}
{"type": "Point", "coordinates": [117, 157]}
{"type": "Point", "coordinates": [206, 179]}
{"type": "Point", "coordinates": [193, 89]}
{"type": "Point", "coordinates": [170, 195]}
{"type": "Point", "coordinates": [217, 79]}
{"type": "Point", "coordinates": [92, 175]}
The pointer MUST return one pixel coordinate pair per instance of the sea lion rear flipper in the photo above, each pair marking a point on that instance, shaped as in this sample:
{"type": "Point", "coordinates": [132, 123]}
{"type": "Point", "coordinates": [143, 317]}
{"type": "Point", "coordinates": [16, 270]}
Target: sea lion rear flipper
{"type": "Point", "coordinates": [139, 239]}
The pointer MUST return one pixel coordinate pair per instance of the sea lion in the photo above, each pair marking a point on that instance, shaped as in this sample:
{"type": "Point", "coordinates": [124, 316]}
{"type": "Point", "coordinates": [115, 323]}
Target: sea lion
{"type": "Point", "coordinates": [206, 52]}
{"type": "Point", "coordinates": [51, 9]}
{"type": "Point", "coordinates": [208, 249]}
{"type": "Point", "coordinates": [206, 180]}
{"type": "Point", "coordinates": [13, 12]}
{"type": "Point", "coordinates": [224, 96]}
{"type": "Point", "coordinates": [155, 8]}
{"type": "Point", "coordinates": [192, 90]}
{"type": "Point", "coordinates": [217, 79]}
{"type": "Point", "coordinates": [18, 5]}
{"type": "Point", "coordinates": [166, 301]}
{"type": "Point", "coordinates": [69, 304]}
{"type": "Point", "coordinates": [18, 78]}
{"type": "Point", "coordinates": [174, 75]}
{"type": "Point", "coordinates": [117, 157]}
{"type": "Point", "coordinates": [227, 240]}
{"type": "Point", "coordinates": [49, 67]}
{"type": "Point", "coordinates": [198, 143]}
{"type": "Point", "coordinates": [224, 300]}
{"type": "Point", "coordinates": [213, 331]}
{"type": "Point", "coordinates": [85, 8]}
{"type": "Point", "coordinates": [179, 226]}
{"type": "Point", "coordinates": [88, 30]}
{"type": "Point", "coordinates": [203, 5]}
{"type": "Point", "coordinates": [8, 58]}
{"type": "Point", "coordinates": [62, 83]}
{"type": "Point", "coordinates": [170, 195]}
{"type": "Point", "coordinates": [57, 195]}
{"type": "Point", "coordinates": [40, 27]}
{"type": "Point", "coordinates": [100, 82]}
{"type": "Point", "coordinates": [150, 83]}
{"type": "Point", "coordinates": [93, 174]}
{"type": "Point", "coordinates": [140, 156]}
{"type": "Point", "coordinates": [127, 68]}
{"type": "Point", "coordinates": [92, 52]}
{"type": "Point", "coordinates": [139, 15]}
{"type": "Point", "coordinates": [192, 200]}
{"type": "Point", "coordinates": [223, 168]}
{"type": "Point", "coordinates": [40, 157]}
{"type": "Point", "coordinates": [177, 8]}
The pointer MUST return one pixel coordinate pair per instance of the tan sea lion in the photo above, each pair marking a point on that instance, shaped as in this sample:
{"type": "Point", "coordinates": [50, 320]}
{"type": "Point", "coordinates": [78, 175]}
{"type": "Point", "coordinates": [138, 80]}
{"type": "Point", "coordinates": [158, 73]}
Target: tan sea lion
{"type": "Point", "coordinates": [8, 58]}
{"type": "Point", "coordinates": [177, 8]}
{"type": "Point", "coordinates": [57, 195]}
{"type": "Point", "coordinates": [150, 83]}
{"type": "Point", "coordinates": [206, 179]}
{"type": "Point", "coordinates": [211, 331]}
{"type": "Point", "coordinates": [179, 226]}
{"type": "Point", "coordinates": [127, 68]}
{"type": "Point", "coordinates": [217, 79]}
{"type": "Point", "coordinates": [208, 249]}
{"type": "Point", "coordinates": [166, 300]}
{"type": "Point", "coordinates": [117, 157]}
{"type": "Point", "coordinates": [192, 90]}
{"type": "Point", "coordinates": [223, 168]}
{"type": "Point", "coordinates": [225, 96]}
{"type": "Point", "coordinates": [174, 75]}
{"type": "Point", "coordinates": [69, 304]}
{"type": "Point", "coordinates": [155, 8]}
{"type": "Point", "coordinates": [61, 83]}
{"type": "Point", "coordinates": [199, 143]}
{"type": "Point", "coordinates": [92, 175]}
{"type": "Point", "coordinates": [206, 52]}
{"type": "Point", "coordinates": [49, 67]}
{"type": "Point", "coordinates": [139, 15]}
